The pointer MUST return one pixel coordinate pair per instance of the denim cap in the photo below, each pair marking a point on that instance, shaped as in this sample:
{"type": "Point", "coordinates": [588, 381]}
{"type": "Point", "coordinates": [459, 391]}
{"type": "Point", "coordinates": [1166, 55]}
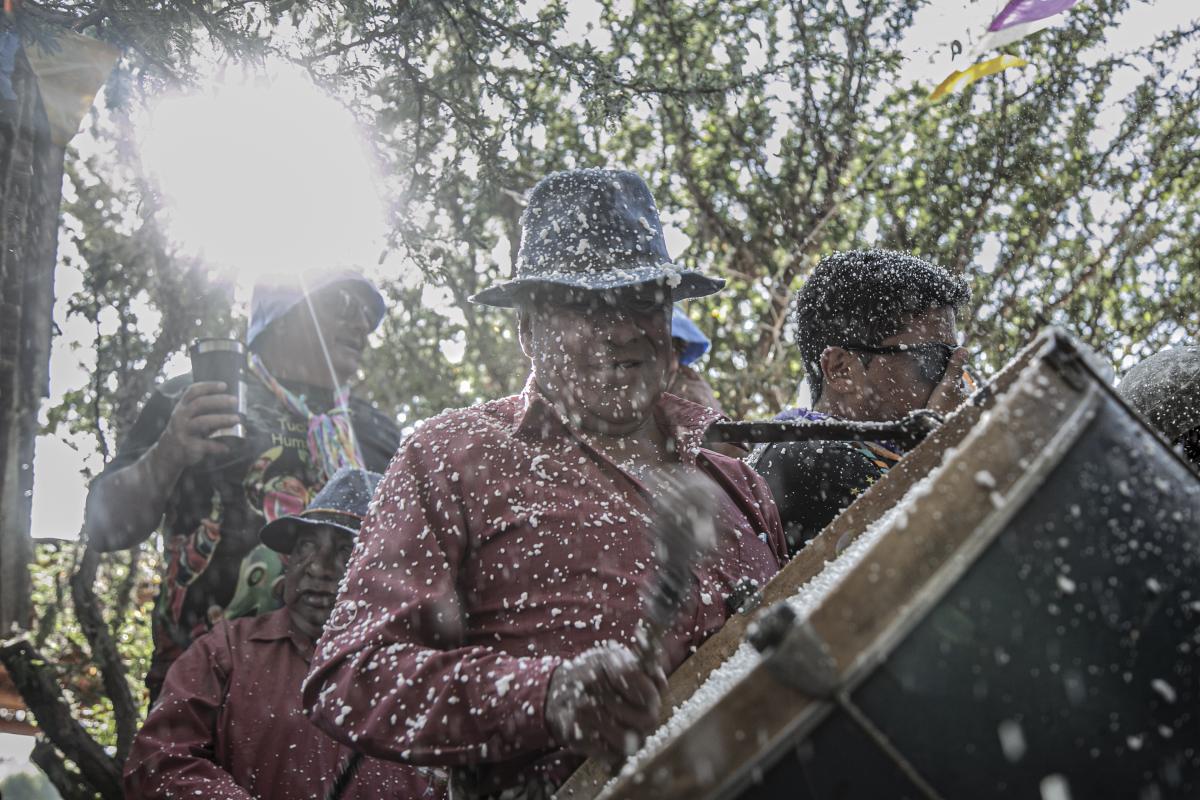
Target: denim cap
{"type": "Point", "coordinates": [695, 343]}
{"type": "Point", "coordinates": [342, 503]}
{"type": "Point", "coordinates": [272, 300]}
{"type": "Point", "coordinates": [594, 229]}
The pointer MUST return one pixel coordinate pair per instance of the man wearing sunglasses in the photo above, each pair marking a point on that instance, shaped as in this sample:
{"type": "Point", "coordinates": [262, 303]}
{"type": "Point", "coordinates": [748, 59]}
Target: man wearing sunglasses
{"type": "Point", "coordinates": [877, 331]}
{"type": "Point", "coordinates": [487, 620]}
{"type": "Point", "coordinates": [306, 341]}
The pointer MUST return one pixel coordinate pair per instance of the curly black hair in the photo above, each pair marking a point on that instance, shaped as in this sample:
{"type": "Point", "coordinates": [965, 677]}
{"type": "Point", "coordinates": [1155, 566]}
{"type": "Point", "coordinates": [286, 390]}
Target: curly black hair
{"type": "Point", "coordinates": [865, 296]}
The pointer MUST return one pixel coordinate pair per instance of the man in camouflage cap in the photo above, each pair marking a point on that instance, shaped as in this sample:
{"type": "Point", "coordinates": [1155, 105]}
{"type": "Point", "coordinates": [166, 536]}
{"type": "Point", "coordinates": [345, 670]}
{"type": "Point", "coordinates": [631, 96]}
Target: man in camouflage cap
{"type": "Point", "coordinates": [1165, 389]}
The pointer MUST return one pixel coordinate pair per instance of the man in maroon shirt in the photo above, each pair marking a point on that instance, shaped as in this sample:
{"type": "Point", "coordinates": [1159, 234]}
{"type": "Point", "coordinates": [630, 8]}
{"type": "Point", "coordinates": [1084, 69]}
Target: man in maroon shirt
{"type": "Point", "coordinates": [228, 723]}
{"type": "Point", "coordinates": [487, 621]}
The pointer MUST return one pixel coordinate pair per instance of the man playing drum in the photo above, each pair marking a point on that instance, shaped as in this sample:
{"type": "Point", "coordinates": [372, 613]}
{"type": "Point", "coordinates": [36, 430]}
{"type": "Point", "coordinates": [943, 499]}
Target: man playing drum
{"type": "Point", "coordinates": [487, 620]}
{"type": "Point", "coordinates": [878, 335]}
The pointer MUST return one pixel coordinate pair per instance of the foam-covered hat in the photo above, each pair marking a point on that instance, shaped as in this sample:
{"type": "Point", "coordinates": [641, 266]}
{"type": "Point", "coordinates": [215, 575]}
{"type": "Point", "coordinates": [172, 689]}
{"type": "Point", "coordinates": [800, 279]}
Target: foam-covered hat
{"type": "Point", "coordinates": [342, 503]}
{"type": "Point", "coordinates": [270, 300]}
{"type": "Point", "coordinates": [1165, 389]}
{"type": "Point", "coordinates": [595, 229]}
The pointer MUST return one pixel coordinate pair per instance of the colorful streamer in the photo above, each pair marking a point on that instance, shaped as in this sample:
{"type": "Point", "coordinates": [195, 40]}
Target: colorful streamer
{"type": "Point", "coordinates": [1021, 12]}
{"type": "Point", "coordinates": [973, 73]}
{"type": "Point", "coordinates": [997, 39]}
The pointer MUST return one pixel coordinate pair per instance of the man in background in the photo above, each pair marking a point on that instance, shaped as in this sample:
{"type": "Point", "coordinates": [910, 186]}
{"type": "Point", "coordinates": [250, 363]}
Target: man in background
{"type": "Point", "coordinates": [1165, 389]}
{"type": "Point", "coordinates": [228, 723]}
{"type": "Point", "coordinates": [211, 498]}
{"type": "Point", "coordinates": [687, 382]}
{"type": "Point", "coordinates": [877, 331]}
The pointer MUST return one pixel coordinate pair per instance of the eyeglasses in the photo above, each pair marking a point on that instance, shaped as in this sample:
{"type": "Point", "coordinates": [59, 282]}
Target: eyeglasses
{"type": "Point", "coordinates": [932, 357]}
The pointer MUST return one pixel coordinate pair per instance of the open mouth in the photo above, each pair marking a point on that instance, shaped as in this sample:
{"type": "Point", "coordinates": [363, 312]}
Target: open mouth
{"type": "Point", "coordinates": [627, 363]}
{"type": "Point", "coordinates": [322, 601]}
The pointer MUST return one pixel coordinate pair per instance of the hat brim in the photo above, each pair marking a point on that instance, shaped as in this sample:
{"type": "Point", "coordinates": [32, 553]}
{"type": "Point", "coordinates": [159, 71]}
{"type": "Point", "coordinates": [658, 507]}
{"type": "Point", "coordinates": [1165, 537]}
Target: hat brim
{"type": "Point", "coordinates": [684, 283]}
{"type": "Point", "coordinates": [280, 534]}
{"type": "Point", "coordinates": [376, 305]}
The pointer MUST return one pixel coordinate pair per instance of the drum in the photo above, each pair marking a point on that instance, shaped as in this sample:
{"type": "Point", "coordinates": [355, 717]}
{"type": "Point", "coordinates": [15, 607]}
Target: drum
{"type": "Point", "coordinates": [1013, 611]}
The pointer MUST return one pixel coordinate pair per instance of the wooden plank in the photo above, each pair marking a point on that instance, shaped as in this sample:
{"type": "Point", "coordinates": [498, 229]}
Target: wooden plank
{"type": "Point", "coordinates": [936, 528]}
{"type": "Point", "coordinates": [18, 728]}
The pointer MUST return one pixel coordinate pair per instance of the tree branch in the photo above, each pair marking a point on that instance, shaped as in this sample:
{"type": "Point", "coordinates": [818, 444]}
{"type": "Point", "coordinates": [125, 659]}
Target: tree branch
{"type": "Point", "coordinates": [42, 695]}
{"type": "Point", "coordinates": [104, 650]}
{"type": "Point", "coordinates": [69, 783]}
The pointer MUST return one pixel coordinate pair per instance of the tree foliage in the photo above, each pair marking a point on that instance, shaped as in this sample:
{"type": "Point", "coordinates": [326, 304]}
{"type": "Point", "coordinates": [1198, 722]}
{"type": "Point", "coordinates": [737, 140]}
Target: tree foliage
{"type": "Point", "coordinates": [772, 133]}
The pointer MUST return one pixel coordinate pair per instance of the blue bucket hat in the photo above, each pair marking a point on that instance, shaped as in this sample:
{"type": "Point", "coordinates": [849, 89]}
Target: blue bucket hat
{"type": "Point", "coordinates": [594, 229]}
{"type": "Point", "coordinates": [270, 301]}
{"type": "Point", "coordinates": [695, 343]}
{"type": "Point", "coordinates": [342, 503]}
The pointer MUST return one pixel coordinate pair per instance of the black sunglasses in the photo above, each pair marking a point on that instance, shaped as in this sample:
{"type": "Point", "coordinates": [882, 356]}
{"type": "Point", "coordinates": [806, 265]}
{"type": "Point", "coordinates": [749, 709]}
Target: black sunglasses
{"type": "Point", "coordinates": [932, 357]}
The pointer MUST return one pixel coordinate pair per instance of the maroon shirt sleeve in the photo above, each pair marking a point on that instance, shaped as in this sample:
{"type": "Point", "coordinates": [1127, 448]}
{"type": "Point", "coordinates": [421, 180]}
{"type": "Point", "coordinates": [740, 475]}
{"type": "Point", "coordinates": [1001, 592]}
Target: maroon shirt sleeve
{"type": "Point", "coordinates": [768, 511]}
{"type": "Point", "coordinates": [391, 675]}
{"type": "Point", "coordinates": [755, 499]}
{"type": "Point", "coordinates": [172, 755]}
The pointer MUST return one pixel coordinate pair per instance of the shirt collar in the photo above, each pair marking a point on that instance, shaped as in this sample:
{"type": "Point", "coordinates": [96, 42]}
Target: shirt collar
{"type": "Point", "coordinates": [277, 625]}
{"type": "Point", "coordinates": [680, 419]}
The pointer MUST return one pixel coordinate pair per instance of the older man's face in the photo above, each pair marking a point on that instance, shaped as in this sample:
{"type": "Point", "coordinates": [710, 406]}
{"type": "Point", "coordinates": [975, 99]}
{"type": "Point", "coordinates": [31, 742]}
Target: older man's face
{"type": "Point", "coordinates": [314, 569]}
{"type": "Point", "coordinates": [603, 357]}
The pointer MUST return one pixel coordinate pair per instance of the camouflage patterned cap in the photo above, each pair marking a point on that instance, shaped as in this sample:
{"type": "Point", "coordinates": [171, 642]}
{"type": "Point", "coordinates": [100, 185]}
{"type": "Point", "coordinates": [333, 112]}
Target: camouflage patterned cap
{"type": "Point", "coordinates": [1165, 389]}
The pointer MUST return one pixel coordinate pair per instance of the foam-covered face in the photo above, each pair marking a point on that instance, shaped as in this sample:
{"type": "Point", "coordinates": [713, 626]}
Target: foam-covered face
{"type": "Point", "coordinates": [602, 357]}
{"type": "Point", "coordinates": [889, 385]}
{"type": "Point", "coordinates": [895, 384]}
{"type": "Point", "coordinates": [314, 569]}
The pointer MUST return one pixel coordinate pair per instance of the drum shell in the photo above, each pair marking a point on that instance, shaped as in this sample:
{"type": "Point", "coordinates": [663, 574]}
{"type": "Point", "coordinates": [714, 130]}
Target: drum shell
{"type": "Point", "coordinates": [1066, 652]}
{"type": "Point", "coordinates": [1058, 532]}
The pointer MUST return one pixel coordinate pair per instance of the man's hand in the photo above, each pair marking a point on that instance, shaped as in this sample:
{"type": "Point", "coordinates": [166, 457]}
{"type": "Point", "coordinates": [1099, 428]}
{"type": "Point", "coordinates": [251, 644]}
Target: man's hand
{"type": "Point", "coordinates": [950, 393]}
{"type": "Point", "coordinates": [603, 702]}
{"type": "Point", "coordinates": [203, 408]}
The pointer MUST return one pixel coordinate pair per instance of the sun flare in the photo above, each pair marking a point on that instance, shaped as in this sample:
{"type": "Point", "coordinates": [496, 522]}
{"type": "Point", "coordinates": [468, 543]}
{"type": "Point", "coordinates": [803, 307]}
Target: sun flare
{"type": "Point", "coordinates": [265, 175]}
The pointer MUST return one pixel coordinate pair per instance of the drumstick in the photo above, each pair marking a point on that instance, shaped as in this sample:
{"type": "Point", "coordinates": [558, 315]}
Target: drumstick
{"type": "Point", "coordinates": [907, 432]}
{"type": "Point", "coordinates": [684, 529]}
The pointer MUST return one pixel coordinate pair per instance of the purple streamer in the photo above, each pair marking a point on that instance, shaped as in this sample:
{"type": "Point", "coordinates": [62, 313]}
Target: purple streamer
{"type": "Point", "coordinates": [1019, 12]}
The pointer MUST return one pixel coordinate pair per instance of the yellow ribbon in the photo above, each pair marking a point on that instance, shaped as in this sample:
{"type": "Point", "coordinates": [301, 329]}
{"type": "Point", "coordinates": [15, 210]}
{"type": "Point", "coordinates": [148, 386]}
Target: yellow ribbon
{"type": "Point", "coordinates": [973, 73]}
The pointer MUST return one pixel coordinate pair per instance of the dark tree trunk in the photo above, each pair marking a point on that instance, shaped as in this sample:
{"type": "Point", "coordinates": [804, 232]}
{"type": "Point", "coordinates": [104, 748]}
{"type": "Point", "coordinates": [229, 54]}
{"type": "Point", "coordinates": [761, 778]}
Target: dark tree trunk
{"type": "Point", "coordinates": [31, 170]}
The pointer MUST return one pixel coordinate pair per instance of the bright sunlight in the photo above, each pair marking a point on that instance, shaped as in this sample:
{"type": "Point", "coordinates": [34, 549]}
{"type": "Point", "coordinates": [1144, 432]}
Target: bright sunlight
{"type": "Point", "coordinates": [265, 175]}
